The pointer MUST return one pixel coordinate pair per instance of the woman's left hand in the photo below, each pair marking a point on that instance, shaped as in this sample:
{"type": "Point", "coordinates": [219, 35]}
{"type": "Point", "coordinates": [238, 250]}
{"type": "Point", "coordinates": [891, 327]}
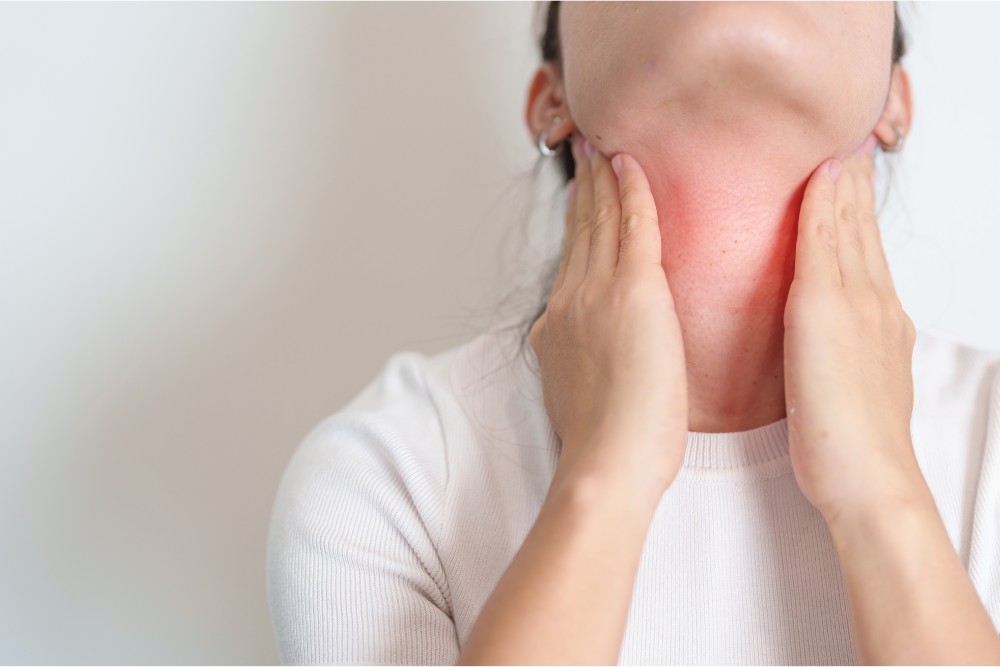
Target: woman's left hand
{"type": "Point", "coordinates": [848, 350]}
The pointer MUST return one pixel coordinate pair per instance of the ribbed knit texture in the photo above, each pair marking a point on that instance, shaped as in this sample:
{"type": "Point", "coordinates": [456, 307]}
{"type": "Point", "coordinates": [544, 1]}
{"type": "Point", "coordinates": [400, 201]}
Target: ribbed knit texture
{"type": "Point", "coordinates": [398, 514]}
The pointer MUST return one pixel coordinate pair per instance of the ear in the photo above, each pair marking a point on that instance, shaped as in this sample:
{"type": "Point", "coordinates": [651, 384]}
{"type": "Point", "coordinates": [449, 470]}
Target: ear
{"type": "Point", "coordinates": [897, 116]}
{"type": "Point", "coordinates": [546, 103]}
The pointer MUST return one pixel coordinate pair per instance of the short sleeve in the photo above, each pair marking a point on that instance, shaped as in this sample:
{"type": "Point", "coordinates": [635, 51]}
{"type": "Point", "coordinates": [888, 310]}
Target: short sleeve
{"type": "Point", "coordinates": [353, 572]}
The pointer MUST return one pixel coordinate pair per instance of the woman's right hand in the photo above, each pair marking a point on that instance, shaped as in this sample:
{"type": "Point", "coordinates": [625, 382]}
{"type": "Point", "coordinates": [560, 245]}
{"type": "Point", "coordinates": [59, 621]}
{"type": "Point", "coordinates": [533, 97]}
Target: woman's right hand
{"type": "Point", "coordinates": [609, 344]}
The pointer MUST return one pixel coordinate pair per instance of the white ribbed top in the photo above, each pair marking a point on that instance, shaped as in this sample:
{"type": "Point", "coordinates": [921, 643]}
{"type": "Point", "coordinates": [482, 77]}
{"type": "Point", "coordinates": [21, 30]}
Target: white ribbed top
{"type": "Point", "coordinates": [398, 514]}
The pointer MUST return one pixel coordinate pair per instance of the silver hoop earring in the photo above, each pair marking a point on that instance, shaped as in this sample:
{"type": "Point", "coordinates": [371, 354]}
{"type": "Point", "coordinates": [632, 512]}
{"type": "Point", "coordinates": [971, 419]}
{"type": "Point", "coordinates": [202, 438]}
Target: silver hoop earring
{"type": "Point", "coordinates": [543, 137]}
{"type": "Point", "coordinates": [898, 146]}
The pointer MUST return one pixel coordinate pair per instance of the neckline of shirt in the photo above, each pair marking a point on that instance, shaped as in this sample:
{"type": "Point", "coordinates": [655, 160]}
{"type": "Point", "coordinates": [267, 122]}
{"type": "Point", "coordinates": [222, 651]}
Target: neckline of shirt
{"type": "Point", "coordinates": [750, 455]}
{"type": "Point", "coordinates": [758, 453]}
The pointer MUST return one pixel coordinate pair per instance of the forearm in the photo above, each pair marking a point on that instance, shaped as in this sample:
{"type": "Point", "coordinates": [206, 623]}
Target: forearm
{"type": "Point", "coordinates": [911, 599]}
{"type": "Point", "coordinates": [564, 599]}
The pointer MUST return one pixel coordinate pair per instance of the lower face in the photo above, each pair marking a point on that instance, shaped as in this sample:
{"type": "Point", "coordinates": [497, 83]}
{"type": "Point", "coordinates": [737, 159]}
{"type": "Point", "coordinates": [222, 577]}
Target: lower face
{"type": "Point", "coordinates": [728, 107]}
{"type": "Point", "coordinates": [796, 78]}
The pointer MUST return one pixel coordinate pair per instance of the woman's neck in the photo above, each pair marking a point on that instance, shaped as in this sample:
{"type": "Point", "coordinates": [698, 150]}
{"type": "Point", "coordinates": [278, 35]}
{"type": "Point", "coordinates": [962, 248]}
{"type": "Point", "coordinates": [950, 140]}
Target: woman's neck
{"type": "Point", "coordinates": [728, 217]}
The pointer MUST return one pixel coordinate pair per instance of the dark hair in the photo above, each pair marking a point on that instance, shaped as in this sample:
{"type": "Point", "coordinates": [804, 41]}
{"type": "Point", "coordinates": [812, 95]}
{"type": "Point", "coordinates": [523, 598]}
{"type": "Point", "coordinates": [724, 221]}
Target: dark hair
{"type": "Point", "coordinates": [551, 51]}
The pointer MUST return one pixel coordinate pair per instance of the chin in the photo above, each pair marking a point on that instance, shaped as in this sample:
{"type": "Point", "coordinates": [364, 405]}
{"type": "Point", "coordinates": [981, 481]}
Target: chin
{"type": "Point", "coordinates": [731, 76]}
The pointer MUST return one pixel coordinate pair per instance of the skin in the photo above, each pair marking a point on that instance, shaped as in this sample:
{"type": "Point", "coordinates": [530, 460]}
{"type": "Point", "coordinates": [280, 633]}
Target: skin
{"type": "Point", "coordinates": [727, 107]}
{"type": "Point", "coordinates": [642, 233]}
{"type": "Point", "coordinates": [566, 595]}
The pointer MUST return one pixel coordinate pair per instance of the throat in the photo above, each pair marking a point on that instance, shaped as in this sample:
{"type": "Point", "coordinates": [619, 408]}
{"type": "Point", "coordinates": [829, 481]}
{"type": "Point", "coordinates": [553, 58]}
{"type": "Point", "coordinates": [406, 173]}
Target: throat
{"type": "Point", "coordinates": [728, 251]}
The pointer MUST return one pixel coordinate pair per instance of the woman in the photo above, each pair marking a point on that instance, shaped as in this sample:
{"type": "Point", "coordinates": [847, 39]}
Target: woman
{"type": "Point", "coordinates": [727, 443]}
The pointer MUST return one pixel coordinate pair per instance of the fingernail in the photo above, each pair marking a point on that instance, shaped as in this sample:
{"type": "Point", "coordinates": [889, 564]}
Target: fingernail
{"type": "Point", "coordinates": [833, 168]}
{"type": "Point", "coordinates": [571, 188]}
{"type": "Point", "coordinates": [575, 146]}
{"type": "Point", "coordinates": [616, 164]}
{"type": "Point", "coordinates": [589, 149]}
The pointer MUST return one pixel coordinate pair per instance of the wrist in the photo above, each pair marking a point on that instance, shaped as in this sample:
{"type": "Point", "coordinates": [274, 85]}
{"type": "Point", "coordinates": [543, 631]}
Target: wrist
{"type": "Point", "coordinates": [629, 456]}
{"type": "Point", "coordinates": [594, 485]}
{"type": "Point", "coordinates": [897, 503]}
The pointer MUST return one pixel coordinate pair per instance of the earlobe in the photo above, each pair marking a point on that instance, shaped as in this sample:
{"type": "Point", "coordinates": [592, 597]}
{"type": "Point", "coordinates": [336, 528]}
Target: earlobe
{"type": "Point", "coordinates": [894, 124]}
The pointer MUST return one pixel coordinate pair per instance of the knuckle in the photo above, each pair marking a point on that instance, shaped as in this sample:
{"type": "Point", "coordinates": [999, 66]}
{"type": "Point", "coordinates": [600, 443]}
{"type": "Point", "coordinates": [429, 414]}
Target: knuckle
{"type": "Point", "coordinates": [826, 234]}
{"type": "Point", "coordinates": [605, 213]}
{"type": "Point", "coordinates": [558, 304]}
{"type": "Point", "coordinates": [867, 218]}
{"type": "Point", "coordinates": [847, 212]}
{"type": "Point", "coordinates": [897, 319]}
{"type": "Point", "coordinates": [535, 335]}
{"type": "Point", "coordinates": [630, 223]}
{"type": "Point", "coordinates": [587, 298]}
{"type": "Point", "coordinates": [625, 246]}
{"type": "Point", "coordinates": [855, 239]}
{"type": "Point", "coordinates": [578, 233]}
{"type": "Point", "coordinates": [604, 220]}
{"type": "Point", "coordinates": [597, 237]}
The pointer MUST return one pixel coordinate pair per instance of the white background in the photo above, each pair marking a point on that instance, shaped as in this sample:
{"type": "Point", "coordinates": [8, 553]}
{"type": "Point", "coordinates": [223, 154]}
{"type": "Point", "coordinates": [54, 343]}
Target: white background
{"type": "Point", "coordinates": [218, 220]}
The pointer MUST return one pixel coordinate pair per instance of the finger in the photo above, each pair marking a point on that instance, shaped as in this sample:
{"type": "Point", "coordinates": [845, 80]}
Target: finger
{"type": "Point", "coordinates": [866, 150]}
{"type": "Point", "coordinates": [866, 195]}
{"type": "Point", "coordinates": [568, 234]}
{"type": "Point", "coordinates": [816, 242]}
{"type": "Point", "coordinates": [640, 240]}
{"type": "Point", "coordinates": [576, 268]}
{"type": "Point", "coordinates": [850, 245]}
{"type": "Point", "coordinates": [607, 217]}
{"type": "Point", "coordinates": [878, 266]}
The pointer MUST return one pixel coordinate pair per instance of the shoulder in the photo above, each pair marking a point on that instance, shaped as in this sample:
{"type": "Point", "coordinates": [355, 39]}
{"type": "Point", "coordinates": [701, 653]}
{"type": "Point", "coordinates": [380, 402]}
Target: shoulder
{"type": "Point", "coordinates": [354, 567]}
{"type": "Point", "coordinates": [393, 434]}
{"type": "Point", "coordinates": [951, 376]}
{"type": "Point", "coordinates": [389, 432]}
